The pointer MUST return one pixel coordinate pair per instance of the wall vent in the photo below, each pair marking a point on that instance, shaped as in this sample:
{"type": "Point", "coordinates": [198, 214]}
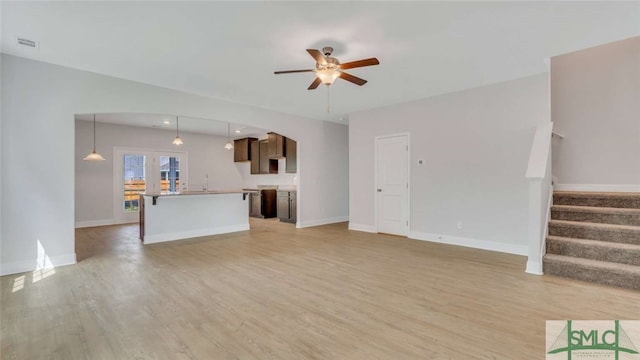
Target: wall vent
{"type": "Point", "coordinates": [27, 42]}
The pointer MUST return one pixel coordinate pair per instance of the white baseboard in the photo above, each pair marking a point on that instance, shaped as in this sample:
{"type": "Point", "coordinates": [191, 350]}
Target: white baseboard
{"type": "Point", "coordinates": [151, 239]}
{"type": "Point", "coordinates": [32, 264]}
{"type": "Point", "coordinates": [472, 243]}
{"type": "Point", "coordinates": [92, 223]}
{"type": "Point", "coordinates": [534, 268]}
{"type": "Point", "coordinates": [318, 222]}
{"type": "Point", "coordinates": [598, 187]}
{"type": "Point", "coordinates": [361, 227]}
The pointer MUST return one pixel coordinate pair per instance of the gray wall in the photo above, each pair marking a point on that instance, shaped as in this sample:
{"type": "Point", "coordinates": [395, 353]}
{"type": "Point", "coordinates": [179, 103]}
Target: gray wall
{"type": "Point", "coordinates": [595, 102]}
{"type": "Point", "coordinates": [94, 180]}
{"type": "Point", "coordinates": [475, 145]}
{"type": "Point", "coordinates": [39, 102]}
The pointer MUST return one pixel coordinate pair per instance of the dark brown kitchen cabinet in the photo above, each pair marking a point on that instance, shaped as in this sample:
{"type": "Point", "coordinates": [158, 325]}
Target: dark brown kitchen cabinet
{"type": "Point", "coordinates": [260, 162]}
{"type": "Point", "coordinates": [255, 205]}
{"type": "Point", "coordinates": [255, 157]}
{"type": "Point", "coordinates": [242, 149]}
{"type": "Point", "coordinates": [263, 204]}
{"type": "Point", "coordinates": [287, 206]}
{"type": "Point", "coordinates": [277, 145]}
{"type": "Point", "coordinates": [292, 156]}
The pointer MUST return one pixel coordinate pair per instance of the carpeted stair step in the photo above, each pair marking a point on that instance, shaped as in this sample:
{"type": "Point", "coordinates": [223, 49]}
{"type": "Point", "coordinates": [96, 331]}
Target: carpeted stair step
{"type": "Point", "coordinates": [601, 272]}
{"type": "Point", "coordinates": [619, 216]}
{"type": "Point", "coordinates": [605, 232]}
{"type": "Point", "coordinates": [595, 250]}
{"type": "Point", "coordinates": [598, 199]}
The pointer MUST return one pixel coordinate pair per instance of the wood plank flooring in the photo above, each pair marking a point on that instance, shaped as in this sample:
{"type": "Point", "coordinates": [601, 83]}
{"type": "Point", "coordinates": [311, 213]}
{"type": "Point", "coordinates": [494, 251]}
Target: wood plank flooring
{"type": "Point", "coordinates": [277, 292]}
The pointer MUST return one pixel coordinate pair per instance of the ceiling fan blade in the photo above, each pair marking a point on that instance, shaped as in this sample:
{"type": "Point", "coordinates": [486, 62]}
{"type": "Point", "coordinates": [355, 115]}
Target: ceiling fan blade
{"type": "Point", "coordinates": [315, 84]}
{"type": "Point", "coordinates": [359, 63]}
{"type": "Point", "coordinates": [292, 71]}
{"type": "Point", "coordinates": [354, 79]}
{"type": "Point", "coordinates": [316, 54]}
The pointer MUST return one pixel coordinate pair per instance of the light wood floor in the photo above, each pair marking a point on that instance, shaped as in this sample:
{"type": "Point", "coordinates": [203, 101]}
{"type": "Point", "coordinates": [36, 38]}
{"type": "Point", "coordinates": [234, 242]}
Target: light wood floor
{"type": "Point", "coordinates": [280, 293]}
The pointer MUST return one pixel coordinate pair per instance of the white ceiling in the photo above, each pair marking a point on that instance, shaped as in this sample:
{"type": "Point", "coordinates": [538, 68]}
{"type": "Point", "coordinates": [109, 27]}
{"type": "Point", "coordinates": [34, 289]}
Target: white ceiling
{"type": "Point", "coordinates": [168, 122]}
{"type": "Point", "coordinates": [229, 50]}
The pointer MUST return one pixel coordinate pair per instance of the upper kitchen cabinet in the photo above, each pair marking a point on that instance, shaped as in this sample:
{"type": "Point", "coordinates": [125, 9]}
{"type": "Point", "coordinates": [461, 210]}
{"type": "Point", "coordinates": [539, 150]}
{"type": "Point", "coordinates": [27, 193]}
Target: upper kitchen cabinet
{"type": "Point", "coordinates": [255, 157]}
{"type": "Point", "coordinates": [277, 146]}
{"type": "Point", "coordinates": [292, 156]}
{"type": "Point", "coordinates": [260, 162]}
{"type": "Point", "coordinates": [242, 149]}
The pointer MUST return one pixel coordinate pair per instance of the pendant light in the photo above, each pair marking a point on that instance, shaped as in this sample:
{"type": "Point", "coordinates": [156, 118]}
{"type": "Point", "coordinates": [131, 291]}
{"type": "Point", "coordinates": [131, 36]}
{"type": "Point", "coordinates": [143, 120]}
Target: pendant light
{"type": "Point", "coordinates": [94, 156]}
{"type": "Point", "coordinates": [229, 144]}
{"type": "Point", "coordinates": [177, 141]}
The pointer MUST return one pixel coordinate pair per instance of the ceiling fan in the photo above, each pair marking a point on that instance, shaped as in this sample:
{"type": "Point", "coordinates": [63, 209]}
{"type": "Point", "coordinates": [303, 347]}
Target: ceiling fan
{"type": "Point", "coordinates": [328, 68]}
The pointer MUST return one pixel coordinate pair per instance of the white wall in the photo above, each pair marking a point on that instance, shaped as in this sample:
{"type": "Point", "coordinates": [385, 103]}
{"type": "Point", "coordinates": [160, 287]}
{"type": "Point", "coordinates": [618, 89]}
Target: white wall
{"type": "Point", "coordinates": [475, 145]}
{"type": "Point", "coordinates": [94, 180]}
{"type": "Point", "coordinates": [39, 103]}
{"type": "Point", "coordinates": [595, 102]}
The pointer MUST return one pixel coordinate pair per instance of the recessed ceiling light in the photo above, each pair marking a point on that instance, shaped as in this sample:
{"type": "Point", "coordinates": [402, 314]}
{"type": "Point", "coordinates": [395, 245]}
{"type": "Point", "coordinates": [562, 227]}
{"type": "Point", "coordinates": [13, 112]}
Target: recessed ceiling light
{"type": "Point", "coordinates": [166, 122]}
{"type": "Point", "coordinates": [237, 131]}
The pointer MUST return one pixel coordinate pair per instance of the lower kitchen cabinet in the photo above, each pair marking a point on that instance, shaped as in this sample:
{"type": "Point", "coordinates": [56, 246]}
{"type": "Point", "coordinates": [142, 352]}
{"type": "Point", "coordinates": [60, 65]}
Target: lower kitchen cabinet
{"type": "Point", "coordinates": [255, 205]}
{"type": "Point", "coordinates": [263, 204]}
{"type": "Point", "coordinates": [287, 206]}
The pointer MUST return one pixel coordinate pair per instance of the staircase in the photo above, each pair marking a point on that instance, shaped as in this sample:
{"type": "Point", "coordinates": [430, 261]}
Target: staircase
{"type": "Point", "coordinates": [595, 237]}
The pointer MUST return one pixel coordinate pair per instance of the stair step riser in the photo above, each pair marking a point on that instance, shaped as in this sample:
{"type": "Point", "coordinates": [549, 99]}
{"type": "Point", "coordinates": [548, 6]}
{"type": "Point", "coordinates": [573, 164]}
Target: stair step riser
{"type": "Point", "coordinates": [595, 275]}
{"type": "Point", "coordinates": [586, 232]}
{"type": "Point", "coordinates": [615, 202]}
{"type": "Point", "coordinates": [600, 253]}
{"type": "Point", "coordinates": [602, 218]}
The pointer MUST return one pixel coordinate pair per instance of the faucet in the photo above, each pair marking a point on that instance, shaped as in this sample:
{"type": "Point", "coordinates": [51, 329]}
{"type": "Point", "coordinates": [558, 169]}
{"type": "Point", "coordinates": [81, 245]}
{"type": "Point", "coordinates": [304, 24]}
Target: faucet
{"type": "Point", "coordinates": [206, 182]}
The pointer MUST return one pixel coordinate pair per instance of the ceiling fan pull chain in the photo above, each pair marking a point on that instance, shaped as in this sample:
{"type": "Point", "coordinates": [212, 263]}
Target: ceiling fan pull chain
{"type": "Point", "coordinates": [328, 100]}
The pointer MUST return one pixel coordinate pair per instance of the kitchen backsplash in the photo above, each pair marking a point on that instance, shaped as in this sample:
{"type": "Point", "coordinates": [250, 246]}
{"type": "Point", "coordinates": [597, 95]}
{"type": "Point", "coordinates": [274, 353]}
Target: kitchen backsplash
{"type": "Point", "coordinates": [250, 181]}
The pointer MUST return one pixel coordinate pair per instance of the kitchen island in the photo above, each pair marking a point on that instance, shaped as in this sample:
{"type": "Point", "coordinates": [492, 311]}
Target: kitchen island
{"type": "Point", "coordinates": [176, 216]}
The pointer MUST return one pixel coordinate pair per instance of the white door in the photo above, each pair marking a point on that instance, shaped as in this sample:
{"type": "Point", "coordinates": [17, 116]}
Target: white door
{"type": "Point", "coordinates": [139, 171]}
{"type": "Point", "coordinates": [131, 177]}
{"type": "Point", "coordinates": [392, 184]}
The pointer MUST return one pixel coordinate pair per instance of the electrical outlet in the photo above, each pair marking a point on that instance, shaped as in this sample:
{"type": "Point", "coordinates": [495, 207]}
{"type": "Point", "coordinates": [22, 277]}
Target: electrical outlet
{"type": "Point", "coordinates": [459, 225]}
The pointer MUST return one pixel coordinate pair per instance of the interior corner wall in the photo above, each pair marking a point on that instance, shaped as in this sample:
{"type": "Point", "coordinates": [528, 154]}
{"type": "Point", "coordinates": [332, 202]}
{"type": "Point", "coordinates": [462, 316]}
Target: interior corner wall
{"type": "Point", "coordinates": [595, 104]}
{"type": "Point", "coordinates": [475, 145]}
{"type": "Point", "coordinates": [94, 188]}
{"type": "Point", "coordinates": [39, 103]}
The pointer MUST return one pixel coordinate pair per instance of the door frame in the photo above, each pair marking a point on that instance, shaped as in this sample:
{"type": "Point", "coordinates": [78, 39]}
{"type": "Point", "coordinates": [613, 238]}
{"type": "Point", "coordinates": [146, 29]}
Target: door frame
{"type": "Point", "coordinates": [120, 217]}
{"type": "Point", "coordinates": [375, 167]}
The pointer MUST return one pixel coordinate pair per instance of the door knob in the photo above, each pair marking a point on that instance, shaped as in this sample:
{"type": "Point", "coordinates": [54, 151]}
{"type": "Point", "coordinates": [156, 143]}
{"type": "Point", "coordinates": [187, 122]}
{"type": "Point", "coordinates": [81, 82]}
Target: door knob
{"type": "Point", "coordinates": [379, 190]}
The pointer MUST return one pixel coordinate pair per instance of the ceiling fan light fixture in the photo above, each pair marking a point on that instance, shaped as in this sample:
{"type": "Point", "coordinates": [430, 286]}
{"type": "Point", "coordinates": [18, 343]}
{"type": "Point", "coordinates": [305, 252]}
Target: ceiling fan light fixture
{"type": "Point", "coordinates": [327, 76]}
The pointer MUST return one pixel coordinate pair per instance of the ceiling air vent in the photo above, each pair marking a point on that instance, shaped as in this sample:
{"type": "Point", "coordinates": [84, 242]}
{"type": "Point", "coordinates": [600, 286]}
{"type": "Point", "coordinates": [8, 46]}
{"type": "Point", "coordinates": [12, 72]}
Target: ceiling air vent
{"type": "Point", "coordinates": [27, 42]}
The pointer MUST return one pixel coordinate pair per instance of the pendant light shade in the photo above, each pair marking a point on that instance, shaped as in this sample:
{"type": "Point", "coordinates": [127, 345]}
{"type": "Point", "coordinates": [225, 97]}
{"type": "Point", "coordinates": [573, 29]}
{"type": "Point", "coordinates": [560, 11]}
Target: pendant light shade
{"type": "Point", "coordinates": [178, 140]}
{"type": "Point", "coordinates": [94, 156]}
{"type": "Point", "coordinates": [229, 144]}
